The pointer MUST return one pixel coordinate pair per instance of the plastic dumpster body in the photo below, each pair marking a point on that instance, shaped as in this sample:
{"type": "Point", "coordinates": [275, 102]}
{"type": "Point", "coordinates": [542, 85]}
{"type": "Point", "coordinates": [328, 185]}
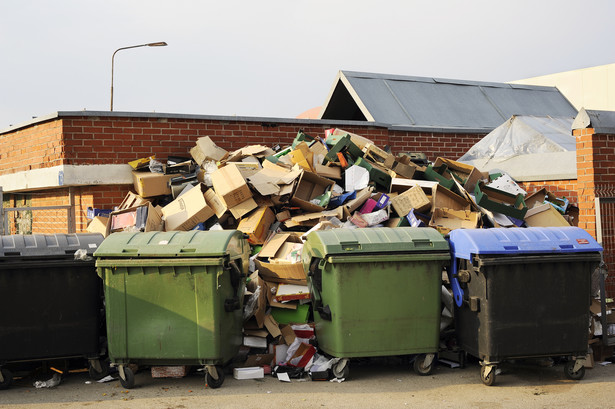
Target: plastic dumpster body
{"type": "Point", "coordinates": [50, 302]}
{"type": "Point", "coordinates": [174, 298]}
{"type": "Point", "coordinates": [376, 292]}
{"type": "Point", "coordinates": [523, 293]}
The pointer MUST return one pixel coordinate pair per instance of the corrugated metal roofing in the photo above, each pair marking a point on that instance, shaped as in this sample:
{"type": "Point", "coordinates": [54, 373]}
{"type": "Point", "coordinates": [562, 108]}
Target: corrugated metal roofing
{"type": "Point", "coordinates": [404, 101]}
{"type": "Point", "coordinates": [602, 121]}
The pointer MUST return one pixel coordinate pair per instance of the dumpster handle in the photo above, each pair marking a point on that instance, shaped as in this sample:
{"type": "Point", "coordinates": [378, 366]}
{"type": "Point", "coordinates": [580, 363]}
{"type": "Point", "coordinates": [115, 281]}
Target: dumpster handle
{"type": "Point", "coordinates": [452, 276]}
{"type": "Point", "coordinates": [232, 304]}
{"type": "Point", "coordinates": [325, 312]}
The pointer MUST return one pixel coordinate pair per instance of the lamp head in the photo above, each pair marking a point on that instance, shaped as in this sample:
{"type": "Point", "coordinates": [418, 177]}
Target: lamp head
{"type": "Point", "coordinates": [158, 44]}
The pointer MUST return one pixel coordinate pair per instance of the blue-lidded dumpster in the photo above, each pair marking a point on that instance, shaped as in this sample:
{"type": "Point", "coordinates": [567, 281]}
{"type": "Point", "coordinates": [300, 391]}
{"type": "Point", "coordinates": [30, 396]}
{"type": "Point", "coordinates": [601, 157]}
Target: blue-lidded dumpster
{"type": "Point", "coordinates": [523, 293]}
{"type": "Point", "coordinates": [50, 301]}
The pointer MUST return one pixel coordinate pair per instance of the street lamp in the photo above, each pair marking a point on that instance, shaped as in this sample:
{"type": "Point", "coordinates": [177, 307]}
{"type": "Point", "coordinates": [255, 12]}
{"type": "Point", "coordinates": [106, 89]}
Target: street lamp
{"type": "Point", "coordinates": [158, 44]}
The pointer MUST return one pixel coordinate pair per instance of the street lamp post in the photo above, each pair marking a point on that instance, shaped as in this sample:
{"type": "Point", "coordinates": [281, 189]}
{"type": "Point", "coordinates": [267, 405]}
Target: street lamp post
{"type": "Point", "coordinates": [158, 44]}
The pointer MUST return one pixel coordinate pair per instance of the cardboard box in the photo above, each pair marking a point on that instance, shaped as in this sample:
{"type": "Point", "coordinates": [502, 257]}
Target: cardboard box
{"type": "Point", "coordinates": [413, 198]}
{"type": "Point", "coordinates": [446, 199]}
{"type": "Point", "coordinates": [149, 184]}
{"type": "Point", "coordinates": [215, 202]}
{"type": "Point", "coordinates": [98, 225]}
{"type": "Point", "coordinates": [243, 208]}
{"type": "Point", "coordinates": [230, 185]}
{"type": "Point", "coordinates": [292, 292]}
{"type": "Point", "coordinates": [256, 225]}
{"type": "Point", "coordinates": [467, 175]}
{"type": "Point", "coordinates": [272, 262]}
{"type": "Point", "coordinates": [310, 186]}
{"type": "Point", "coordinates": [258, 360]}
{"type": "Point", "coordinates": [139, 218]}
{"type": "Point", "coordinates": [187, 211]}
{"type": "Point", "coordinates": [256, 372]}
{"type": "Point", "coordinates": [132, 200]}
{"type": "Point", "coordinates": [445, 220]}
{"type": "Point", "coordinates": [206, 150]}
{"type": "Point", "coordinates": [544, 215]}
{"type": "Point", "coordinates": [500, 201]}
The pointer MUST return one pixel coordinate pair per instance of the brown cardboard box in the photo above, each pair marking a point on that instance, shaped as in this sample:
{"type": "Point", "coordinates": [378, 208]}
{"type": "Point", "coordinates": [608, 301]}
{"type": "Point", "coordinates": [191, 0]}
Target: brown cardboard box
{"type": "Point", "coordinates": [468, 175]}
{"type": "Point", "coordinates": [215, 202]}
{"type": "Point", "coordinates": [98, 225]}
{"type": "Point", "coordinates": [230, 185]}
{"type": "Point", "coordinates": [447, 199]}
{"type": "Point", "coordinates": [132, 200]}
{"type": "Point", "coordinates": [187, 211]}
{"type": "Point", "coordinates": [277, 269]}
{"type": "Point", "coordinates": [149, 184]}
{"type": "Point", "coordinates": [256, 225]}
{"type": "Point", "coordinates": [310, 186]}
{"type": "Point", "coordinates": [143, 218]}
{"type": "Point", "coordinates": [205, 150]}
{"type": "Point", "coordinates": [413, 198]}
{"type": "Point", "coordinates": [445, 220]}
{"type": "Point", "coordinates": [243, 208]}
{"type": "Point", "coordinates": [544, 215]}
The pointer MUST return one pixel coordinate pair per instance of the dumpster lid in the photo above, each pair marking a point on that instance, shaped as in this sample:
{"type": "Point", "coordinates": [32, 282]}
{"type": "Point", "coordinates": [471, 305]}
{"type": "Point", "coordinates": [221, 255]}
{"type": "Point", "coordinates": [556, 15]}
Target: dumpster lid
{"type": "Point", "coordinates": [466, 242]}
{"type": "Point", "coordinates": [194, 243]}
{"type": "Point", "coordinates": [48, 245]}
{"type": "Point", "coordinates": [375, 240]}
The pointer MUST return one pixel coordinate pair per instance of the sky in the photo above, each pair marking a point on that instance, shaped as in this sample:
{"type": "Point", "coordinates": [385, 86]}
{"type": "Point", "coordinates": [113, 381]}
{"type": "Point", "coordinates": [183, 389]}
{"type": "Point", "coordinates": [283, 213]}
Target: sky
{"type": "Point", "coordinates": [275, 58]}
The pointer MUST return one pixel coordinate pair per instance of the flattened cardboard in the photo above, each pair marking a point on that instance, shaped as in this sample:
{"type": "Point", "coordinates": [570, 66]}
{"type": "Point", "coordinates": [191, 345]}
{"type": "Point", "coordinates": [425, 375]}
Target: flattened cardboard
{"type": "Point", "coordinates": [272, 326]}
{"type": "Point", "coordinates": [310, 186]}
{"type": "Point", "coordinates": [258, 360]}
{"type": "Point", "coordinates": [150, 184]}
{"type": "Point", "coordinates": [445, 220]}
{"type": "Point", "coordinates": [256, 225]}
{"type": "Point", "coordinates": [187, 211]}
{"type": "Point", "coordinates": [413, 198]}
{"type": "Point", "coordinates": [230, 185]}
{"type": "Point", "coordinates": [206, 149]}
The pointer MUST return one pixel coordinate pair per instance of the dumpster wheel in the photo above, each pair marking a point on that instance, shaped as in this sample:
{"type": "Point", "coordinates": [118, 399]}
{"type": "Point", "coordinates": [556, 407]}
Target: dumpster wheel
{"type": "Point", "coordinates": [487, 374]}
{"type": "Point", "coordinates": [423, 364]}
{"type": "Point", "coordinates": [341, 369]}
{"type": "Point", "coordinates": [6, 378]}
{"type": "Point", "coordinates": [570, 373]}
{"type": "Point", "coordinates": [98, 369]}
{"type": "Point", "coordinates": [127, 377]}
{"type": "Point", "coordinates": [212, 382]}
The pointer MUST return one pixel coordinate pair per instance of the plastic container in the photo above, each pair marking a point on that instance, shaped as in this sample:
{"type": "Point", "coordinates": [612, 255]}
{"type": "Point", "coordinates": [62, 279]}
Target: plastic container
{"type": "Point", "coordinates": [174, 298]}
{"type": "Point", "coordinates": [376, 292]}
{"type": "Point", "coordinates": [523, 293]}
{"type": "Point", "coordinates": [50, 302]}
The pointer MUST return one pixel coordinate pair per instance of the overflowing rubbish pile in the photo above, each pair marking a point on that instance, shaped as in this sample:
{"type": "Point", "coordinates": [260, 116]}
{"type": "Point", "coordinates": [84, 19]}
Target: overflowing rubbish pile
{"type": "Point", "coordinates": [276, 195]}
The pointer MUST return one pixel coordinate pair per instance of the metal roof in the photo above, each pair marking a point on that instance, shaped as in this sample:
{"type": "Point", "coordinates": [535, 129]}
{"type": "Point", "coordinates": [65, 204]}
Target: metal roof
{"type": "Point", "coordinates": [419, 102]}
{"type": "Point", "coordinates": [602, 121]}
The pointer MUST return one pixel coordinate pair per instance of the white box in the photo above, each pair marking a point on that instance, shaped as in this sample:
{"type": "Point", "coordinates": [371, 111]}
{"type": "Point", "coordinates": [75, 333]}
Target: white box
{"type": "Point", "coordinates": [252, 372]}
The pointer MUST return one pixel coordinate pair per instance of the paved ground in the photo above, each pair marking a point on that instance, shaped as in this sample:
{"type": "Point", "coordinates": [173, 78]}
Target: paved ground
{"type": "Point", "coordinates": [380, 384]}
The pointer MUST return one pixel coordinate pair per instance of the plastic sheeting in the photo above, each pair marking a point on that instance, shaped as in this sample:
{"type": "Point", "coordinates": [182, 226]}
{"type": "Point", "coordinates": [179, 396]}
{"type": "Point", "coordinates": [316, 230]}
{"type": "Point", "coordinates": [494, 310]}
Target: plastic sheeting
{"type": "Point", "coordinates": [528, 148]}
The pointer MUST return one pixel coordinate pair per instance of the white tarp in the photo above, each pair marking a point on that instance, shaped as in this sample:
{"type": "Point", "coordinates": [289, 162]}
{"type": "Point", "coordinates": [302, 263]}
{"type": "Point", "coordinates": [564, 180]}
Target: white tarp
{"type": "Point", "coordinates": [528, 148]}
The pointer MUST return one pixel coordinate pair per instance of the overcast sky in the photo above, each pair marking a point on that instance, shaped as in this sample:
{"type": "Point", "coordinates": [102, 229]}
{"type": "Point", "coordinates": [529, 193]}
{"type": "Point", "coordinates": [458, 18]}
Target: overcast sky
{"type": "Point", "coordinates": [275, 58]}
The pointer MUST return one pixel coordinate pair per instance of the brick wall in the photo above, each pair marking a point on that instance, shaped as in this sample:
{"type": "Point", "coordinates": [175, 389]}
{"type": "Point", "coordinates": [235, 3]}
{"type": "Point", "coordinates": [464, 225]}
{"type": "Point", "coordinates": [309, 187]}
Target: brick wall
{"type": "Point", "coordinates": [119, 140]}
{"type": "Point", "coordinates": [35, 147]}
{"type": "Point", "coordinates": [596, 179]}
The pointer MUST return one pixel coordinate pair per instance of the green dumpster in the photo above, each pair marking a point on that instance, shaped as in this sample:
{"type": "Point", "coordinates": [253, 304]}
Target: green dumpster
{"type": "Point", "coordinates": [376, 292]}
{"type": "Point", "coordinates": [174, 298]}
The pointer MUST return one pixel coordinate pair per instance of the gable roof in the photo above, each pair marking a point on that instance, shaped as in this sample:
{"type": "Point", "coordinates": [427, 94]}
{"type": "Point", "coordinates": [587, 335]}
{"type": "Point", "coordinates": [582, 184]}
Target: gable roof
{"type": "Point", "coordinates": [438, 104]}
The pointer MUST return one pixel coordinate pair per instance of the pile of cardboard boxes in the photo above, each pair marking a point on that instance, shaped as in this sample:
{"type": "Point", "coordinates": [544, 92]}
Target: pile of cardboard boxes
{"type": "Point", "coordinates": [277, 194]}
